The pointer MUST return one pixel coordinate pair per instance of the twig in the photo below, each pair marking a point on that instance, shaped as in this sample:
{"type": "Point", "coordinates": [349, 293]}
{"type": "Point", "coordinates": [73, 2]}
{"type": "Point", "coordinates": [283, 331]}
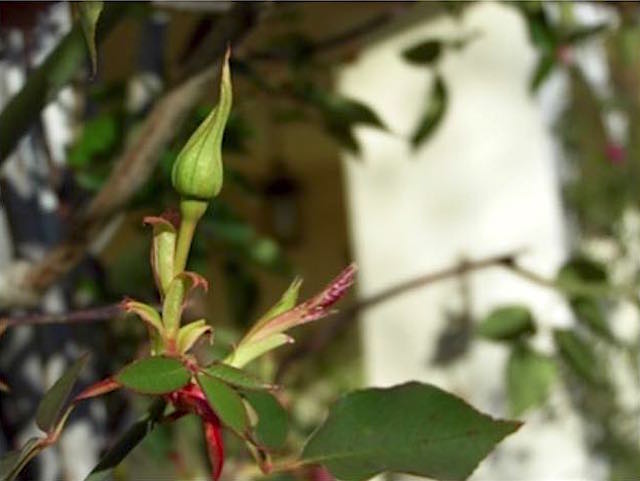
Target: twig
{"type": "Point", "coordinates": [136, 164]}
{"type": "Point", "coordinates": [343, 319]}
{"type": "Point", "coordinates": [94, 314]}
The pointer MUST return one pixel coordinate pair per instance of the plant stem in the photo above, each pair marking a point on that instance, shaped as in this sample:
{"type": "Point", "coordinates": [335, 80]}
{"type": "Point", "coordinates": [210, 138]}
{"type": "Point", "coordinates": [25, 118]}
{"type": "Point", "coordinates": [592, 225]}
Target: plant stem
{"type": "Point", "coordinates": [191, 211]}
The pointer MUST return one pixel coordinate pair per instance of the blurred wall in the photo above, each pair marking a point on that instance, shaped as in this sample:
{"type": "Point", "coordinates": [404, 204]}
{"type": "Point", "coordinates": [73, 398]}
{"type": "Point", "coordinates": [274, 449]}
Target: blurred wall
{"type": "Point", "coordinates": [485, 184]}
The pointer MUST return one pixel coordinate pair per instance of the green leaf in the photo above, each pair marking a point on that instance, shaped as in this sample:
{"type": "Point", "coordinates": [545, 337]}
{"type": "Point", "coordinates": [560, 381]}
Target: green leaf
{"type": "Point", "coordinates": [543, 69]}
{"type": "Point", "coordinates": [530, 376]}
{"type": "Point", "coordinates": [236, 377]}
{"type": "Point", "coordinates": [13, 462]}
{"type": "Point", "coordinates": [589, 312]}
{"type": "Point", "coordinates": [273, 423]}
{"type": "Point", "coordinates": [134, 435]}
{"type": "Point", "coordinates": [154, 375]}
{"type": "Point", "coordinates": [163, 251]}
{"type": "Point", "coordinates": [424, 53]}
{"type": "Point", "coordinates": [286, 302]}
{"type": "Point", "coordinates": [434, 113]}
{"type": "Point", "coordinates": [507, 324]}
{"type": "Point", "coordinates": [44, 82]}
{"type": "Point", "coordinates": [579, 356]}
{"type": "Point", "coordinates": [247, 352]}
{"type": "Point", "coordinates": [50, 408]}
{"type": "Point", "coordinates": [88, 13]}
{"type": "Point", "coordinates": [411, 428]}
{"type": "Point", "coordinates": [226, 403]}
{"type": "Point", "coordinates": [189, 334]}
{"type": "Point", "coordinates": [583, 33]}
{"type": "Point", "coordinates": [581, 270]}
{"type": "Point", "coordinates": [99, 137]}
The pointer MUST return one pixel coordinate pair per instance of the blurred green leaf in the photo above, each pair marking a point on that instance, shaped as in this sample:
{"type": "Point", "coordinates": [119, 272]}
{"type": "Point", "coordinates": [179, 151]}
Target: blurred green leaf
{"type": "Point", "coordinates": [226, 403]}
{"type": "Point", "coordinates": [411, 428]}
{"type": "Point", "coordinates": [507, 324]}
{"type": "Point", "coordinates": [127, 442]}
{"type": "Point", "coordinates": [51, 406]}
{"type": "Point", "coordinates": [589, 312]}
{"type": "Point", "coordinates": [88, 12]}
{"type": "Point", "coordinates": [424, 53]}
{"type": "Point", "coordinates": [154, 375]}
{"type": "Point", "coordinates": [543, 69]}
{"type": "Point", "coordinates": [13, 462]}
{"type": "Point", "coordinates": [99, 136]}
{"type": "Point", "coordinates": [579, 356]}
{"type": "Point", "coordinates": [583, 33]}
{"type": "Point", "coordinates": [530, 377]}
{"type": "Point", "coordinates": [581, 270]}
{"type": "Point", "coordinates": [236, 377]}
{"type": "Point", "coordinates": [43, 83]}
{"type": "Point", "coordinates": [434, 113]}
{"type": "Point", "coordinates": [273, 421]}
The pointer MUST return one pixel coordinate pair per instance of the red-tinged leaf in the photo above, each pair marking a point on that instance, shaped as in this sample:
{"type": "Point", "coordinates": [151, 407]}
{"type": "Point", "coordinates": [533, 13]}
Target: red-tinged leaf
{"type": "Point", "coordinates": [163, 248]}
{"type": "Point", "coordinates": [179, 290]}
{"type": "Point", "coordinates": [146, 312]}
{"type": "Point", "coordinates": [215, 447]}
{"type": "Point", "coordinates": [98, 389]}
{"type": "Point", "coordinates": [312, 309]}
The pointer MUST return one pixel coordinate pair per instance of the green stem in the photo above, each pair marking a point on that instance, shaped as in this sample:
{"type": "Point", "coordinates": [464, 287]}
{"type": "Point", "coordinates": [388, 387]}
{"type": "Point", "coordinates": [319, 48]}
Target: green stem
{"type": "Point", "coordinates": [191, 211]}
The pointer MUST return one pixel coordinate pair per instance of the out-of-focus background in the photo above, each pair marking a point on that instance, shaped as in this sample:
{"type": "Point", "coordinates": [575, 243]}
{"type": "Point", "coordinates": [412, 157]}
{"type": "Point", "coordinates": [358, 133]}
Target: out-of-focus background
{"type": "Point", "coordinates": [480, 161]}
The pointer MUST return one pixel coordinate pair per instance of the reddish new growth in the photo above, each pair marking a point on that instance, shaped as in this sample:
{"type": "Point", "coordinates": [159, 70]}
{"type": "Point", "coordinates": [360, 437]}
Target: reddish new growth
{"type": "Point", "coordinates": [191, 399]}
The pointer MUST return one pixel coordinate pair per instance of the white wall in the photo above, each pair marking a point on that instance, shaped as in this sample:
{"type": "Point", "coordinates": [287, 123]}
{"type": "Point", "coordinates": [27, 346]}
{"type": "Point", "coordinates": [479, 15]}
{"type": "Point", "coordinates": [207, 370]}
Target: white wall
{"type": "Point", "coordinates": [485, 184]}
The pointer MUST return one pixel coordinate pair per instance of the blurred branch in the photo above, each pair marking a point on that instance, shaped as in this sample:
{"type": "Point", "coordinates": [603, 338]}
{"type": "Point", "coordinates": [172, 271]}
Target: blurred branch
{"type": "Point", "coordinates": [340, 322]}
{"type": "Point", "coordinates": [134, 166]}
{"type": "Point", "coordinates": [94, 314]}
{"type": "Point", "coordinates": [45, 81]}
{"type": "Point", "coordinates": [351, 34]}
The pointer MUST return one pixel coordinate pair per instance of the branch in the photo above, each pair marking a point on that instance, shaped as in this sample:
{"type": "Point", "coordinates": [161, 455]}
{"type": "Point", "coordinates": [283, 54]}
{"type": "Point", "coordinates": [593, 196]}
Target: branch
{"type": "Point", "coordinates": [44, 82]}
{"type": "Point", "coordinates": [135, 165]}
{"type": "Point", "coordinates": [94, 314]}
{"type": "Point", "coordinates": [334, 328]}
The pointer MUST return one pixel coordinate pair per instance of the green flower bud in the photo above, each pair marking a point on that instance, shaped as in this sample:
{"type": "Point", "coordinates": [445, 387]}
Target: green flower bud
{"type": "Point", "coordinates": [197, 171]}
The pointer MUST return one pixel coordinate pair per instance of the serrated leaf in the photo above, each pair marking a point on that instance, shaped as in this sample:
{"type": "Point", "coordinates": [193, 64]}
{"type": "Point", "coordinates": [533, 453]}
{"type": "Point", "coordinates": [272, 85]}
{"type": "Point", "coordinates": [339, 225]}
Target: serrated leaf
{"type": "Point", "coordinates": [189, 334]}
{"type": "Point", "coordinates": [273, 421]}
{"type": "Point", "coordinates": [507, 324]}
{"type": "Point", "coordinates": [13, 462]}
{"type": "Point", "coordinates": [530, 376]}
{"type": "Point", "coordinates": [226, 403]}
{"type": "Point", "coordinates": [51, 406]}
{"type": "Point", "coordinates": [88, 13]}
{"type": "Point", "coordinates": [134, 435]}
{"type": "Point", "coordinates": [424, 53]}
{"type": "Point", "coordinates": [434, 113]}
{"type": "Point", "coordinates": [236, 377]}
{"type": "Point", "coordinates": [411, 428]}
{"type": "Point", "coordinates": [579, 356]}
{"type": "Point", "coordinates": [154, 375]}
